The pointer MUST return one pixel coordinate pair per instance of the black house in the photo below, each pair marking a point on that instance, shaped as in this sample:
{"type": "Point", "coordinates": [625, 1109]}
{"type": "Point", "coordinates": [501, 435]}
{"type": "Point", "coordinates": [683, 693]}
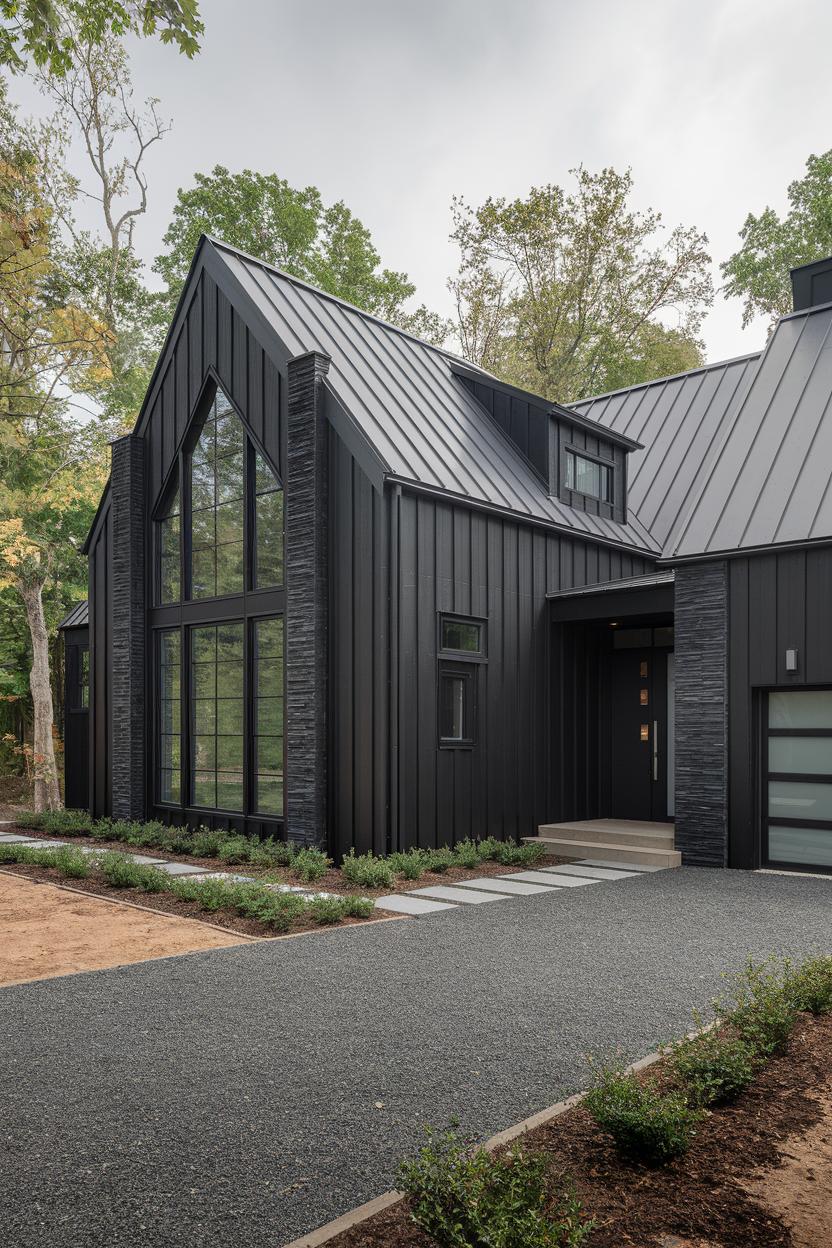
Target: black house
{"type": "Point", "coordinates": [349, 589]}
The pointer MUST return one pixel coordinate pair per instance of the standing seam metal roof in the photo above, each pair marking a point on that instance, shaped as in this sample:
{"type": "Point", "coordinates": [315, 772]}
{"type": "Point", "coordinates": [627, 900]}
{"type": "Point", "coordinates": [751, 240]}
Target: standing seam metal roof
{"type": "Point", "coordinates": [422, 422]}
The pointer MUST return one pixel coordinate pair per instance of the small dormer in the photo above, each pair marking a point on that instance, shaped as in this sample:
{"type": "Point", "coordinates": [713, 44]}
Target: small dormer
{"type": "Point", "coordinates": [577, 460]}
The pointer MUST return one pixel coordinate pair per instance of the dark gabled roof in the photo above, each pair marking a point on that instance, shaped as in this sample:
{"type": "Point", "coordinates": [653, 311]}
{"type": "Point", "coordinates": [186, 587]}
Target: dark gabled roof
{"type": "Point", "coordinates": [424, 426]}
{"type": "Point", "coordinates": [78, 617]}
{"type": "Point", "coordinates": [738, 455]}
{"type": "Point", "coordinates": [770, 483]}
{"type": "Point", "coordinates": [681, 421]}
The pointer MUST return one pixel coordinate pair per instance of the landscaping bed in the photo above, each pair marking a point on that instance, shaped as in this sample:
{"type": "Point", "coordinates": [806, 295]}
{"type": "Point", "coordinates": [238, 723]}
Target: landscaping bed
{"type": "Point", "coordinates": [362, 875]}
{"type": "Point", "coordinates": [755, 1169]}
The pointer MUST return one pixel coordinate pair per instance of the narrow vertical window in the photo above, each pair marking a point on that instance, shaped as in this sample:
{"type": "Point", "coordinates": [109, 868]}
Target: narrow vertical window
{"type": "Point", "coordinates": [217, 488]}
{"type": "Point", "coordinates": [268, 519]}
{"type": "Point", "coordinates": [169, 526]}
{"type": "Point", "coordinates": [268, 716]}
{"type": "Point", "coordinates": [170, 762]}
{"type": "Point", "coordinates": [217, 716]}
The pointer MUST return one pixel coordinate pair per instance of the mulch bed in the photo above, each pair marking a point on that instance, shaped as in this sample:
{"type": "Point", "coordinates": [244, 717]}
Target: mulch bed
{"type": "Point", "coordinates": [332, 882]}
{"type": "Point", "coordinates": [166, 903]}
{"type": "Point", "coordinates": [698, 1200]}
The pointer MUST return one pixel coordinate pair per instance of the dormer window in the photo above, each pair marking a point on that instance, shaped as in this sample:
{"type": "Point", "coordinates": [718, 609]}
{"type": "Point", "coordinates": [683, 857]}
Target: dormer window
{"type": "Point", "coordinates": [589, 477]}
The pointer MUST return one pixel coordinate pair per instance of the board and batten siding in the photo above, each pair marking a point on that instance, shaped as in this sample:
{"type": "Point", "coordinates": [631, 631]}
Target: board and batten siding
{"type": "Point", "coordinates": [101, 649]}
{"type": "Point", "coordinates": [211, 334]}
{"type": "Point", "coordinates": [778, 601]}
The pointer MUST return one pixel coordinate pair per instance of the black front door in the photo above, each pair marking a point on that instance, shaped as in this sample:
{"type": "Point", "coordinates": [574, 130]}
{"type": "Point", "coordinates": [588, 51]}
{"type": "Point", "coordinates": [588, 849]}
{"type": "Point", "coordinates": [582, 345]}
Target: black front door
{"type": "Point", "coordinates": [639, 734]}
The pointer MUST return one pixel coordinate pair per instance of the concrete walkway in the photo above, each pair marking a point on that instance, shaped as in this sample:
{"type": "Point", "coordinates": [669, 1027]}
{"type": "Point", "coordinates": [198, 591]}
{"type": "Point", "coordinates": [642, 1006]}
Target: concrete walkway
{"type": "Point", "coordinates": [243, 1096]}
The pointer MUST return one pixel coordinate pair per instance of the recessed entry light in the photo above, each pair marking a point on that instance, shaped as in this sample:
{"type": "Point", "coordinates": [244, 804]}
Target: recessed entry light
{"type": "Point", "coordinates": [614, 624]}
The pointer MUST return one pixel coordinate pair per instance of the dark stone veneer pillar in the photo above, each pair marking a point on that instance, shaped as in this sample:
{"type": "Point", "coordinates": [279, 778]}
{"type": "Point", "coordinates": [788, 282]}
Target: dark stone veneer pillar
{"type": "Point", "coordinates": [701, 621]}
{"type": "Point", "coordinates": [127, 487]}
{"type": "Point", "coordinates": [306, 601]}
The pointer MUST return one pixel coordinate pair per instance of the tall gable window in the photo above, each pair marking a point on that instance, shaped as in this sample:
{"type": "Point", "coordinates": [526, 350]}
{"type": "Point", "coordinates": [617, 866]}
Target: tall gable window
{"type": "Point", "coordinates": [217, 504]}
{"type": "Point", "coordinates": [219, 687]}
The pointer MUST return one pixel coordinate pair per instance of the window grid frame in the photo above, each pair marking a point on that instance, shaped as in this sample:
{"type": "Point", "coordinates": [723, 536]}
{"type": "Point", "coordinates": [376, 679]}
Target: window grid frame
{"type": "Point", "coordinates": [767, 820]}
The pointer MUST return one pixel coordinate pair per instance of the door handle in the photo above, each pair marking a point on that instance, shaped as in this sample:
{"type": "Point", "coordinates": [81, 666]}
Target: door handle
{"type": "Point", "coordinates": [655, 749]}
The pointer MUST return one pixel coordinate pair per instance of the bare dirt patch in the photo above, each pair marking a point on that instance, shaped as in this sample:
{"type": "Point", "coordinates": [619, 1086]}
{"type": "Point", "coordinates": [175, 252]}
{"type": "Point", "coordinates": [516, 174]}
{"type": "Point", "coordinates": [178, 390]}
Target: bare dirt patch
{"type": "Point", "coordinates": [759, 1173]}
{"type": "Point", "coordinates": [48, 931]}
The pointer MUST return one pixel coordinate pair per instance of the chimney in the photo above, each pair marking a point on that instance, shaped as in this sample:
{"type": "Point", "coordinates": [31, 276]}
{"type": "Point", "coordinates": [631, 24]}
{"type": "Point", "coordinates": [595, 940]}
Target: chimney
{"type": "Point", "coordinates": [812, 284]}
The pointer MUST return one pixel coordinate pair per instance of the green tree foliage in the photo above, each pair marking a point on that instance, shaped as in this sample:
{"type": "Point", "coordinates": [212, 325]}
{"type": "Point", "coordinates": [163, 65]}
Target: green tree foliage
{"type": "Point", "coordinates": [48, 32]}
{"type": "Point", "coordinates": [50, 465]}
{"type": "Point", "coordinates": [771, 245]}
{"type": "Point", "coordinates": [569, 294]}
{"type": "Point", "coordinates": [293, 229]}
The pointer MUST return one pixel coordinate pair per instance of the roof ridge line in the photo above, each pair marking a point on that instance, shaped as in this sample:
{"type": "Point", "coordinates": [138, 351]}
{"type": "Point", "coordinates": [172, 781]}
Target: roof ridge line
{"type": "Point", "coordinates": [660, 381]}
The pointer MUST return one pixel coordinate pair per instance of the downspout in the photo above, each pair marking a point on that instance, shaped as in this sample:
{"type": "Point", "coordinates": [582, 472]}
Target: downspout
{"type": "Point", "coordinates": [393, 674]}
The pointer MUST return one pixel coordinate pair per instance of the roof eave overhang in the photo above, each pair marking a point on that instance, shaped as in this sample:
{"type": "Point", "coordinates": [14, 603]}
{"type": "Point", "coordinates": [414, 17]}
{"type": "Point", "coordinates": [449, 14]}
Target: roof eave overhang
{"type": "Point", "coordinates": [711, 556]}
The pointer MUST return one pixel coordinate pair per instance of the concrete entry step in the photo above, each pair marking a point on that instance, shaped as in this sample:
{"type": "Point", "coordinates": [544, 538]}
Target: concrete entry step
{"type": "Point", "coordinates": [606, 854]}
{"type": "Point", "coordinates": [646, 835]}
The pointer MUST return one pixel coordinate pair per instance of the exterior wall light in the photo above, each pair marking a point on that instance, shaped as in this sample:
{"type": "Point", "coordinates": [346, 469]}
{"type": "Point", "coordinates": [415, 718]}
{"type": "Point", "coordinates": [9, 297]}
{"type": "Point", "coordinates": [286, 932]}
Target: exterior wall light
{"type": "Point", "coordinates": [791, 660]}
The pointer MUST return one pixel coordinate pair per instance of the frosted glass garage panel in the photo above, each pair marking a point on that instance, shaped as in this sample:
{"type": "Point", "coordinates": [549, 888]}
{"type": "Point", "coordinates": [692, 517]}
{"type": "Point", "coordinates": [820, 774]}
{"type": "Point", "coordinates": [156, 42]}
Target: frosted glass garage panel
{"type": "Point", "coordinates": [802, 755]}
{"type": "Point", "coordinates": [806, 708]}
{"type": "Point", "coordinates": [803, 845]}
{"type": "Point", "coordinates": [799, 800]}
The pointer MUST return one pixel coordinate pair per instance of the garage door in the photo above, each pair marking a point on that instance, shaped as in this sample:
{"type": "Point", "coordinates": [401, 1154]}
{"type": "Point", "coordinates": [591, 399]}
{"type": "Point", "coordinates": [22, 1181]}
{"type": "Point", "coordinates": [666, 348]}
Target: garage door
{"type": "Point", "coordinates": [797, 784]}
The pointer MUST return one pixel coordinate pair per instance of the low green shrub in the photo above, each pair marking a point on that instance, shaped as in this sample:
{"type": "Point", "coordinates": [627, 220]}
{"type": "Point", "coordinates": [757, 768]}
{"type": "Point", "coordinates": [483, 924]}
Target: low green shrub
{"type": "Point", "coordinates": [470, 1198]}
{"type": "Point", "coordinates": [508, 854]}
{"type": "Point", "coordinates": [270, 907]}
{"type": "Point", "coordinates": [210, 894]}
{"type": "Point", "coordinates": [73, 863]}
{"type": "Point", "coordinates": [29, 818]}
{"type": "Point", "coordinates": [234, 850]}
{"type": "Point", "coordinates": [120, 872]}
{"type": "Point", "coordinates": [760, 1007]}
{"type": "Point", "coordinates": [714, 1067]}
{"type": "Point", "coordinates": [269, 853]}
{"type": "Point", "coordinates": [367, 871]}
{"type": "Point", "coordinates": [358, 907]}
{"type": "Point", "coordinates": [810, 985]}
{"type": "Point", "coordinates": [310, 864]}
{"type": "Point", "coordinates": [65, 822]}
{"type": "Point", "coordinates": [327, 910]}
{"type": "Point", "coordinates": [440, 860]}
{"type": "Point", "coordinates": [206, 842]}
{"type": "Point", "coordinates": [646, 1124]}
{"type": "Point", "coordinates": [467, 854]}
{"type": "Point", "coordinates": [412, 864]}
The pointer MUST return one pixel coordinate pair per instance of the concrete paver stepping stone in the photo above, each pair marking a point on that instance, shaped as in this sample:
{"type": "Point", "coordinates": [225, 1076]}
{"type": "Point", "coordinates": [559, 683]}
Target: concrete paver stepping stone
{"type": "Point", "coordinates": [45, 844]}
{"type": "Point", "coordinates": [144, 861]}
{"type": "Point", "coordinates": [406, 903]}
{"type": "Point", "coordinates": [635, 868]}
{"type": "Point", "coordinates": [446, 892]}
{"type": "Point", "coordinates": [14, 838]}
{"type": "Point", "coordinates": [224, 875]}
{"type": "Point", "coordinates": [181, 868]}
{"type": "Point", "coordinates": [510, 887]}
{"type": "Point", "coordinates": [552, 881]}
{"type": "Point", "coordinates": [589, 873]}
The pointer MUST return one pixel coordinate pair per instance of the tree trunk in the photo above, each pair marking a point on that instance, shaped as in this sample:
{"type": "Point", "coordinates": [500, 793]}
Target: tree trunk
{"type": "Point", "coordinates": [47, 792]}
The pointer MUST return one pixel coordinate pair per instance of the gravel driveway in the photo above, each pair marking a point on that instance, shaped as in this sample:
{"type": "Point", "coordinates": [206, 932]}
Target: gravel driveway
{"type": "Point", "coordinates": [240, 1097]}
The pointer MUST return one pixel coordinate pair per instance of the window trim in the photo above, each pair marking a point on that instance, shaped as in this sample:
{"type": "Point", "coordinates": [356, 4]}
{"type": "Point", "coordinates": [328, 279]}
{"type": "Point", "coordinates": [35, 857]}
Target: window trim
{"type": "Point", "coordinates": [468, 656]}
{"type": "Point", "coordinates": [578, 452]}
{"type": "Point", "coordinates": [469, 673]}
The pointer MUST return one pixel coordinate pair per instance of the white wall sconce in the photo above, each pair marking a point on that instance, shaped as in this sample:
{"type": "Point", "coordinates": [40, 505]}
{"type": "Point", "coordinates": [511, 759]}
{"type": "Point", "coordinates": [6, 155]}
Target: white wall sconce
{"type": "Point", "coordinates": [791, 660]}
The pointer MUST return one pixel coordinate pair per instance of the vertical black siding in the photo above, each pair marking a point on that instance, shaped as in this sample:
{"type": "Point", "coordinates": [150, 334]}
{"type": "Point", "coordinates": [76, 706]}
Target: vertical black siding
{"type": "Point", "coordinates": [100, 719]}
{"type": "Point", "coordinates": [457, 560]}
{"type": "Point", "coordinates": [358, 657]}
{"type": "Point", "coordinates": [777, 602]}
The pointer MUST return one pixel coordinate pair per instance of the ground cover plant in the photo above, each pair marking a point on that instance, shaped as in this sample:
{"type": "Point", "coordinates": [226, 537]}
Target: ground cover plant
{"type": "Point", "coordinates": [646, 1122]}
{"type": "Point", "coordinates": [276, 910]}
{"type": "Point", "coordinates": [467, 1197]}
{"type": "Point", "coordinates": [308, 864]}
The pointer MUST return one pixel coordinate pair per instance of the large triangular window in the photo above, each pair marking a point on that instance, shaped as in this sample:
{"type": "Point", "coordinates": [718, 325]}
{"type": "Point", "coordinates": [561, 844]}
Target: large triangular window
{"type": "Point", "coordinates": [218, 472]}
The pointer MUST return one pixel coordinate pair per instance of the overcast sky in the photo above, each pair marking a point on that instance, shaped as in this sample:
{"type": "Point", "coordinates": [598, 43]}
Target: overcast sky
{"type": "Point", "coordinates": [396, 105]}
